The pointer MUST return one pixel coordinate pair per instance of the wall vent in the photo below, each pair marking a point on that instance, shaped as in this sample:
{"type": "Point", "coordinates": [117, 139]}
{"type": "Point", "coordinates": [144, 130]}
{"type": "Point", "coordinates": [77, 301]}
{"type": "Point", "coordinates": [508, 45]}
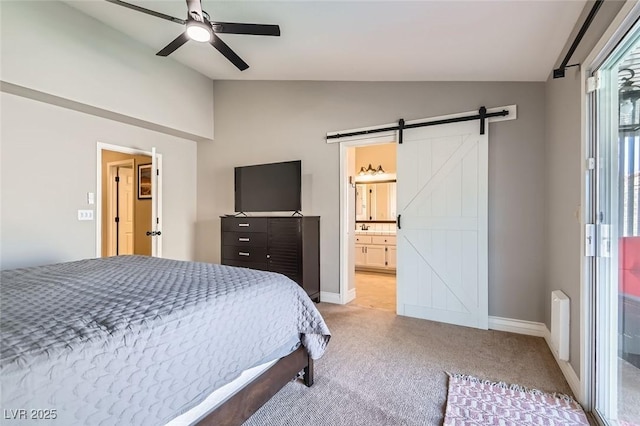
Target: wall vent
{"type": "Point", "coordinates": [560, 316]}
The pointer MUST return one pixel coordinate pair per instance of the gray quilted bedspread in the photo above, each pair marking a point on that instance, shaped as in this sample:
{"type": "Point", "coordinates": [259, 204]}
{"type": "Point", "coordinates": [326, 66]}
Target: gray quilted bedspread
{"type": "Point", "coordinates": [135, 340]}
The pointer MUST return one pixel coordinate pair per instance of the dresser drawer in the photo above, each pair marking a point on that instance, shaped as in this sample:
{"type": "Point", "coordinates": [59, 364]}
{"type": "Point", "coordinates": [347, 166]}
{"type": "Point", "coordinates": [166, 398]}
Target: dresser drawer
{"type": "Point", "coordinates": [244, 239]}
{"type": "Point", "coordinates": [245, 254]}
{"type": "Point", "coordinates": [363, 239]}
{"type": "Point", "coordinates": [383, 239]}
{"type": "Point", "coordinates": [244, 224]}
{"type": "Point", "coordinates": [262, 266]}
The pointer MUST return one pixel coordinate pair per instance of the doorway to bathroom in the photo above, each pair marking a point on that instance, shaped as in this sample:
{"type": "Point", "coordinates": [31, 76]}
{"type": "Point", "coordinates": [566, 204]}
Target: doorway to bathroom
{"type": "Point", "coordinates": [374, 172]}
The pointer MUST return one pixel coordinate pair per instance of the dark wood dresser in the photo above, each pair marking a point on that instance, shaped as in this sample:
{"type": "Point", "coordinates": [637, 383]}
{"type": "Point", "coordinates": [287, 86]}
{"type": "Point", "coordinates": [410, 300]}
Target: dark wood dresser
{"type": "Point", "coordinates": [287, 245]}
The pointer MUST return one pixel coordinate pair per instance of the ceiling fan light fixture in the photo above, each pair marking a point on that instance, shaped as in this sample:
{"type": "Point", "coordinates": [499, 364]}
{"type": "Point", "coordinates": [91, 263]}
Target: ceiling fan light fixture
{"type": "Point", "coordinates": [198, 31]}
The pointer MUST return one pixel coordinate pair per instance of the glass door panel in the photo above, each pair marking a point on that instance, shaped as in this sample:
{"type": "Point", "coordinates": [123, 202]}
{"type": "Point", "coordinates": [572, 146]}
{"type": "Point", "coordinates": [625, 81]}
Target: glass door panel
{"type": "Point", "coordinates": [617, 207]}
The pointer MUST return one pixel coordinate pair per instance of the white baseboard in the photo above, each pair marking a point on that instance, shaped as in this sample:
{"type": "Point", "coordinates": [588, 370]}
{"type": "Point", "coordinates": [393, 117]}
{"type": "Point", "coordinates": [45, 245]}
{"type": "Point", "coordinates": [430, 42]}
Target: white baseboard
{"type": "Point", "coordinates": [329, 297]}
{"type": "Point", "coordinates": [529, 328]}
{"type": "Point", "coordinates": [351, 294]}
{"type": "Point", "coordinates": [539, 329]}
{"type": "Point", "coordinates": [567, 370]}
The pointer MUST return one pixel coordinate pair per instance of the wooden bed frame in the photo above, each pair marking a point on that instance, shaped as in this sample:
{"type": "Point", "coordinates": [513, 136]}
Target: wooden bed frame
{"type": "Point", "coordinates": [249, 399]}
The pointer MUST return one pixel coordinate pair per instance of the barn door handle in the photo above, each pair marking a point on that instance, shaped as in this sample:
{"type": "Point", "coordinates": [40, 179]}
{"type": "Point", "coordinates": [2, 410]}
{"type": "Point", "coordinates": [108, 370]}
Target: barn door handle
{"type": "Point", "coordinates": [398, 220]}
{"type": "Point", "coordinates": [153, 233]}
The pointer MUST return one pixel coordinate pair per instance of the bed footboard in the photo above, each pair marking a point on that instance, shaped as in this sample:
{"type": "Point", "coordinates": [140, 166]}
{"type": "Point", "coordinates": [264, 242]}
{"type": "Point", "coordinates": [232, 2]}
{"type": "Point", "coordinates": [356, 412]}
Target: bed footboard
{"type": "Point", "coordinates": [253, 396]}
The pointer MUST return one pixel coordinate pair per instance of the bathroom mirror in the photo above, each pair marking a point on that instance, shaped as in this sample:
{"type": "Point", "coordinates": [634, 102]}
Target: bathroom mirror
{"type": "Point", "coordinates": [376, 201]}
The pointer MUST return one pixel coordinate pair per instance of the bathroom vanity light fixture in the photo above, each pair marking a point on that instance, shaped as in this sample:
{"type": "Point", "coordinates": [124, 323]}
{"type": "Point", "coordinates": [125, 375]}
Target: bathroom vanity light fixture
{"type": "Point", "coordinates": [371, 171]}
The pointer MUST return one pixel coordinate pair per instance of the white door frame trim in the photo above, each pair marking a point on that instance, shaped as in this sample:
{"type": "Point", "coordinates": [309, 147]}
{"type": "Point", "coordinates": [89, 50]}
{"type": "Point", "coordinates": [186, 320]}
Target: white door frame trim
{"type": "Point", "coordinates": [347, 296]}
{"type": "Point", "coordinates": [382, 137]}
{"type": "Point", "coordinates": [101, 146]}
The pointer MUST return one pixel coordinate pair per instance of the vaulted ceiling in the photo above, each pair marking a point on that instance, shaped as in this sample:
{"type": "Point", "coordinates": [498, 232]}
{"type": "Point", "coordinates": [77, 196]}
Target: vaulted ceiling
{"type": "Point", "coordinates": [365, 40]}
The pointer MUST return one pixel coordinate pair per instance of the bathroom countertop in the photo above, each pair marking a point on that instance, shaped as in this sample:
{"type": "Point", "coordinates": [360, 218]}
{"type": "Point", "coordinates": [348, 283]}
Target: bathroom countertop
{"type": "Point", "coordinates": [374, 232]}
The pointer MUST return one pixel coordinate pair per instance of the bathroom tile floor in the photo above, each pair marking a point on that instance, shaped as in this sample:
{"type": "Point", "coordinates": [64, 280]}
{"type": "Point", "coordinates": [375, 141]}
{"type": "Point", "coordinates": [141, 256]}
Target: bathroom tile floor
{"type": "Point", "coordinates": [375, 290]}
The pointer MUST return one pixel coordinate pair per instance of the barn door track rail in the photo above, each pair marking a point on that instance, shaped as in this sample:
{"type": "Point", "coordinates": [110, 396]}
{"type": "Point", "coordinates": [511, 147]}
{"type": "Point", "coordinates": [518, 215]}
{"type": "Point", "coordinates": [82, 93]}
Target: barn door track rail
{"type": "Point", "coordinates": [560, 71]}
{"type": "Point", "coordinates": [482, 115]}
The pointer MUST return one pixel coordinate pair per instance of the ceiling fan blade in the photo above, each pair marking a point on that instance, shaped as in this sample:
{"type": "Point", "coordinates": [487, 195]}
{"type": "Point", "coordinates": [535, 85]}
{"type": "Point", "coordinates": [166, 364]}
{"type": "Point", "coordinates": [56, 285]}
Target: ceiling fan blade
{"type": "Point", "coordinates": [228, 53]}
{"type": "Point", "coordinates": [171, 47]}
{"type": "Point", "coordinates": [148, 11]}
{"type": "Point", "coordinates": [250, 29]}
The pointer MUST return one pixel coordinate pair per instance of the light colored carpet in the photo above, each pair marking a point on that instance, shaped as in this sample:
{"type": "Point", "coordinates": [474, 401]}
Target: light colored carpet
{"type": "Point", "coordinates": [382, 369]}
{"type": "Point", "coordinates": [472, 401]}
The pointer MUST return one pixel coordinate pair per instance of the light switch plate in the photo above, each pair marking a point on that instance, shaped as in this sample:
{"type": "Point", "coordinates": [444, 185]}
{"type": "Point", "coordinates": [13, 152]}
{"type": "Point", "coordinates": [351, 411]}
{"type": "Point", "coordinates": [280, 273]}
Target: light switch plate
{"type": "Point", "coordinates": [85, 214]}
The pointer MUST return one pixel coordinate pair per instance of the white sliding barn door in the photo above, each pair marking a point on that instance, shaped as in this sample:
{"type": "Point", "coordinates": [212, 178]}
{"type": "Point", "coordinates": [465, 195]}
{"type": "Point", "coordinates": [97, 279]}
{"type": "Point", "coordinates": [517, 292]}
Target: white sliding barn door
{"type": "Point", "coordinates": [442, 258]}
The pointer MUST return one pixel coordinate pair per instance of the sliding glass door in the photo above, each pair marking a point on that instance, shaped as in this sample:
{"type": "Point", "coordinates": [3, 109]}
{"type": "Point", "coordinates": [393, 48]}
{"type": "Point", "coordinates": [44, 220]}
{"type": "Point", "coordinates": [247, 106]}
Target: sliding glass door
{"type": "Point", "coordinates": [616, 288]}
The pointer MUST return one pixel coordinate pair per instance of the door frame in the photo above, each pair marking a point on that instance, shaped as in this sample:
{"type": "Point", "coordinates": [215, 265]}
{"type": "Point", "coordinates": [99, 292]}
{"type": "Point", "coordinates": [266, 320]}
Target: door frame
{"type": "Point", "coordinates": [614, 33]}
{"type": "Point", "coordinates": [347, 205]}
{"type": "Point", "coordinates": [345, 234]}
{"type": "Point", "coordinates": [112, 172]}
{"type": "Point", "coordinates": [101, 146]}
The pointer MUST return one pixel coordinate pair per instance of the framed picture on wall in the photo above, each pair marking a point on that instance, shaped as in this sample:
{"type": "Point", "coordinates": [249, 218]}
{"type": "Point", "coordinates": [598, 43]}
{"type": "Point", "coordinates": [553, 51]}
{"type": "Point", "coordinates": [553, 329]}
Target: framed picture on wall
{"type": "Point", "coordinates": [144, 181]}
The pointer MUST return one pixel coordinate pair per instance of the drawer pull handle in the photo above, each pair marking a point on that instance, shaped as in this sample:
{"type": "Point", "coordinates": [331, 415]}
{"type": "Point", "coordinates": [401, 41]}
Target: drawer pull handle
{"type": "Point", "coordinates": [243, 253]}
{"type": "Point", "coordinates": [243, 239]}
{"type": "Point", "coordinates": [245, 225]}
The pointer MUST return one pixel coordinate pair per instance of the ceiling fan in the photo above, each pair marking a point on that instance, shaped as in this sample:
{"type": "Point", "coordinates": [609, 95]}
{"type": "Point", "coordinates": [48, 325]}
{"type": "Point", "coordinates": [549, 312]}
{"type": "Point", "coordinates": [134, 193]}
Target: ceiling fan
{"type": "Point", "coordinates": [200, 28]}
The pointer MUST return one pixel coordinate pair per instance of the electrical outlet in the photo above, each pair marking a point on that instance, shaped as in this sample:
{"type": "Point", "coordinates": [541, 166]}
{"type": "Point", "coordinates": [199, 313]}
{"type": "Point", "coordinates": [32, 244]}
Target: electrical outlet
{"type": "Point", "coordinates": [85, 214]}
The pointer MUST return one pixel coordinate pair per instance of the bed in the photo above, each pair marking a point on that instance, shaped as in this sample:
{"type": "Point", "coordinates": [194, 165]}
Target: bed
{"type": "Point", "coordinates": [141, 340]}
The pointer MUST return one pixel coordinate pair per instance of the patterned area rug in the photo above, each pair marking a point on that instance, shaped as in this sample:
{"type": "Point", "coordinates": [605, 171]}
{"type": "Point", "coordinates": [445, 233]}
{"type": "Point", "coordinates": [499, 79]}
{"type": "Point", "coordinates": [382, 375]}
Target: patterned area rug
{"type": "Point", "coordinates": [472, 401]}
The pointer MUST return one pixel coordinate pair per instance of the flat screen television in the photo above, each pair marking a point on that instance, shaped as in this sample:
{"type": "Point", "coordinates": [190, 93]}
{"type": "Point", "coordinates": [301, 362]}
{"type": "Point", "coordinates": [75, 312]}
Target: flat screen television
{"type": "Point", "coordinates": [274, 187]}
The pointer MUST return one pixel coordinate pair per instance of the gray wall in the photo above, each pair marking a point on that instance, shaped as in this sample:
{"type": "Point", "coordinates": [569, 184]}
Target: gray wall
{"type": "Point", "coordinates": [48, 166]}
{"type": "Point", "coordinates": [563, 176]}
{"type": "Point", "coordinates": [48, 161]}
{"type": "Point", "coordinates": [258, 122]}
{"type": "Point", "coordinates": [53, 48]}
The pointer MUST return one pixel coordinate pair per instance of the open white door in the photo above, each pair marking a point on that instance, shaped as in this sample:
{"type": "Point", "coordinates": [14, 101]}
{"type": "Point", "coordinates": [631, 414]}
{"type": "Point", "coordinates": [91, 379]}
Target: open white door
{"type": "Point", "coordinates": [442, 190]}
{"type": "Point", "coordinates": [126, 210]}
{"type": "Point", "coordinates": [156, 203]}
